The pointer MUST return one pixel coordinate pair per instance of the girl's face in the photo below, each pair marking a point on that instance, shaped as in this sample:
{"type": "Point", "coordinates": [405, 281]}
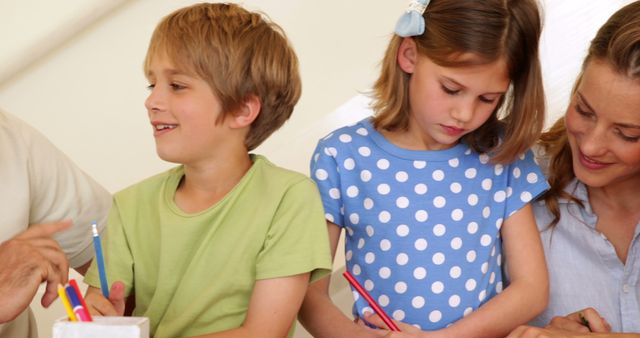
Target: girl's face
{"type": "Point", "coordinates": [182, 110]}
{"type": "Point", "coordinates": [603, 126]}
{"type": "Point", "coordinates": [450, 102]}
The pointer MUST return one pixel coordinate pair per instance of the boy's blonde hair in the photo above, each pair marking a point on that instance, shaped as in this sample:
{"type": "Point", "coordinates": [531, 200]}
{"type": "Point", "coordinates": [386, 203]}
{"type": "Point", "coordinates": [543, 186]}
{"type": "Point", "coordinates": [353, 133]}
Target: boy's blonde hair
{"type": "Point", "coordinates": [239, 54]}
{"type": "Point", "coordinates": [491, 30]}
{"type": "Point", "coordinates": [617, 44]}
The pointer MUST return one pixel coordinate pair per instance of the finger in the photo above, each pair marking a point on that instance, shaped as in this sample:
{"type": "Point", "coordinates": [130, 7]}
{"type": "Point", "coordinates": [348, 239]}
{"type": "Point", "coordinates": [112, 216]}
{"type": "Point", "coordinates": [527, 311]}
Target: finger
{"type": "Point", "coordinates": [57, 261]}
{"type": "Point", "coordinates": [44, 229]}
{"type": "Point", "coordinates": [568, 323]}
{"type": "Point", "coordinates": [374, 320]}
{"type": "Point", "coordinates": [117, 297]}
{"type": "Point", "coordinates": [595, 322]}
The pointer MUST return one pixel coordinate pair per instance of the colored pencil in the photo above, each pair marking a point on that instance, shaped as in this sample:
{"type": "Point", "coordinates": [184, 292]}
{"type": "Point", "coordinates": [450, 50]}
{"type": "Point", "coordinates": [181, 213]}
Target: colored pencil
{"type": "Point", "coordinates": [385, 318]}
{"type": "Point", "coordinates": [104, 285]}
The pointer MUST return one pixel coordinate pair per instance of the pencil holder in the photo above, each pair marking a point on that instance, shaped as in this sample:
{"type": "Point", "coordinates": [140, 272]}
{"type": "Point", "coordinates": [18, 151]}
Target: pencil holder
{"type": "Point", "coordinates": [103, 327]}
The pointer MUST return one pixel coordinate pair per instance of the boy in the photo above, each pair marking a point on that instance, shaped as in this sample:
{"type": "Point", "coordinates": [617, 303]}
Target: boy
{"type": "Point", "coordinates": [225, 244]}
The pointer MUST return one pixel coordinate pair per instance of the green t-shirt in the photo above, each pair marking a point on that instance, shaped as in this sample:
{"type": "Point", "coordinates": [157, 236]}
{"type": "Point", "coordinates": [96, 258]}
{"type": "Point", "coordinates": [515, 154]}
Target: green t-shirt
{"type": "Point", "coordinates": [194, 273]}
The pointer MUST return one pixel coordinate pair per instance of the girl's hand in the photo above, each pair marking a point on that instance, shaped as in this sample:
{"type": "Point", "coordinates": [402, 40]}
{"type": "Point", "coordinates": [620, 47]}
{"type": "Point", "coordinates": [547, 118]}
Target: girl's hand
{"type": "Point", "coordinates": [586, 320]}
{"type": "Point", "coordinates": [406, 330]}
{"type": "Point", "coordinates": [100, 306]}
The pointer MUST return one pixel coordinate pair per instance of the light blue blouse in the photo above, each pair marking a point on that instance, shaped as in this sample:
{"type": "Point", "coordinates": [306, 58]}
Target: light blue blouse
{"type": "Point", "coordinates": [584, 269]}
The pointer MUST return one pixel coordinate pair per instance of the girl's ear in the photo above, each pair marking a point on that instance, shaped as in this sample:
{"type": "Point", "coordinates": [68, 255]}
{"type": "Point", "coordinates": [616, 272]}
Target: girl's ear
{"type": "Point", "coordinates": [407, 55]}
{"type": "Point", "coordinates": [247, 113]}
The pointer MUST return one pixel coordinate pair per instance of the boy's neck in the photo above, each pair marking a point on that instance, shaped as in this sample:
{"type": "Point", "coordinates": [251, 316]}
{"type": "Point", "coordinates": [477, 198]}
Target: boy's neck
{"type": "Point", "coordinates": [204, 184]}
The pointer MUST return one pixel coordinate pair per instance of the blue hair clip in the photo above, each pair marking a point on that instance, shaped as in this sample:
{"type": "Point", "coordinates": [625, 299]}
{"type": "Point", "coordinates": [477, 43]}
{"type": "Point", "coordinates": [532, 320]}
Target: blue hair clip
{"type": "Point", "coordinates": [411, 23]}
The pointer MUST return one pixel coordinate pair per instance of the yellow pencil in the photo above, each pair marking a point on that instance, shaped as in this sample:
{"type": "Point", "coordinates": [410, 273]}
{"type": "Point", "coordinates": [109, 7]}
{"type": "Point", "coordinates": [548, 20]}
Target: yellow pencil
{"type": "Point", "coordinates": [67, 305]}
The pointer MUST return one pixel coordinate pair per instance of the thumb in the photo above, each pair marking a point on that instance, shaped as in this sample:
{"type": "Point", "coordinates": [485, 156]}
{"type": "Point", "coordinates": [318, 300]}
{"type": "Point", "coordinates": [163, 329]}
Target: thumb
{"type": "Point", "coordinates": [374, 320]}
{"type": "Point", "coordinates": [116, 297]}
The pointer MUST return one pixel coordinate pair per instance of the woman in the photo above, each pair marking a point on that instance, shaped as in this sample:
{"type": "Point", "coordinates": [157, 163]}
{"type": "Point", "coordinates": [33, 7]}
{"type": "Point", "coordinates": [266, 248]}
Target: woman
{"type": "Point", "coordinates": [590, 216]}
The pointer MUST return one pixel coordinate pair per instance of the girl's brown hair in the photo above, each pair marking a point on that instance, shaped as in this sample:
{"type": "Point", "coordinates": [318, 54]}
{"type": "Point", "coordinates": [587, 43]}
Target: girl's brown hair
{"type": "Point", "coordinates": [491, 30]}
{"type": "Point", "coordinates": [617, 43]}
{"type": "Point", "coordinates": [238, 53]}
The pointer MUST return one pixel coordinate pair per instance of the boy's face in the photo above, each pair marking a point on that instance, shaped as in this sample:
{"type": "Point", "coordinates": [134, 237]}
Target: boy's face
{"type": "Point", "coordinates": [183, 111]}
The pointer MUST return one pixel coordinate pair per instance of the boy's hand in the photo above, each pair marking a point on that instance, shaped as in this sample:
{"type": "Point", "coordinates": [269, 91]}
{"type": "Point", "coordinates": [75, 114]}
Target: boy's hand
{"type": "Point", "coordinates": [98, 305]}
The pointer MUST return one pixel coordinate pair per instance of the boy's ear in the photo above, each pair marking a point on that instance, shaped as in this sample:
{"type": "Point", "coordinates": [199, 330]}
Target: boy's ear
{"type": "Point", "coordinates": [247, 113]}
{"type": "Point", "coordinates": [408, 55]}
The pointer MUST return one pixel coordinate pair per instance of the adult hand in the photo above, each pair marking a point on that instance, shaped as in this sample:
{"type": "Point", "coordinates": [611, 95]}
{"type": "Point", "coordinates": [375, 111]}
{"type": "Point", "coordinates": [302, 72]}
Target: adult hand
{"type": "Point", "coordinates": [101, 306]}
{"type": "Point", "coordinates": [26, 260]}
{"type": "Point", "coordinates": [585, 320]}
{"type": "Point", "coordinates": [538, 332]}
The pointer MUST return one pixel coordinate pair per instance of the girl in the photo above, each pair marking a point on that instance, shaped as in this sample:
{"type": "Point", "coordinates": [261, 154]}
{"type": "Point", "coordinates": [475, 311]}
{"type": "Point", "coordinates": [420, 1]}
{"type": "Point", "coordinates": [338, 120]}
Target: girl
{"type": "Point", "coordinates": [432, 188]}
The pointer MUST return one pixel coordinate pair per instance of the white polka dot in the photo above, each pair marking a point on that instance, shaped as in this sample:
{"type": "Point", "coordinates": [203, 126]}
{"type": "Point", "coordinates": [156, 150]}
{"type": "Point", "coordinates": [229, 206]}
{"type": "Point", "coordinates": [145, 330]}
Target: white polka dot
{"type": "Point", "coordinates": [417, 302]}
{"type": "Point", "coordinates": [385, 245]}
{"type": "Point", "coordinates": [457, 214]}
{"type": "Point", "coordinates": [472, 228]}
{"type": "Point", "coordinates": [368, 284]}
{"type": "Point", "coordinates": [455, 272]}
{"type": "Point", "coordinates": [365, 176]}
{"type": "Point", "coordinates": [484, 267]}
{"type": "Point", "coordinates": [356, 295]}
{"type": "Point", "coordinates": [438, 258]}
{"type": "Point", "coordinates": [492, 278]}
{"type": "Point", "coordinates": [486, 212]}
{"type": "Point", "coordinates": [526, 197]}
{"type": "Point", "coordinates": [419, 164]}
{"type": "Point", "coordinates": [370, 257]}
{"type": "Point", "coordinates": [455, 187]}
{"type": "Point", "coordinates": [402, 259]}
{"type": "Point", "coordinates": [421, 244]}
{"type": "Point", "coordinates": [356, 269]}
{"type": "Point", "coordinates": [384, 272]}
{"type": "Point", "coordinates": [498, 169]}
{"type": "Point", "coordinates": [471, 256]}
{"type": "Point", "coordinates": [383, 300]}
{"type": "Point", "coordinates": [384, 217]}
{"type": "Point", "coordinates": [361, 243]}
{"type": "Point", "coordinates": [334, 193]}
{"type": "Point", "coordinates": [516, 172]}
{"type": "Point", "coordinates": [470, 285]}
{"type": "Point", "coordinates": [367, 309]}
{"type": "Point", "coordinates": [456, 243]}
{"type": "Point", "coordinates": [467, 311]}
{"type": "Point", "coordinates": [487, 183]}
{"type": "Point", "coordinates": [438, 175]}
{"type": "Point", "coordinates": [348, 255]}
{"type": "Point", "coordinates": [454, 301]}
{"type": "Point", "coordinates": [364, 151]}
{"type": "Point", "coordinates": [422, 216]}
{"type": "Point", "coordinates": [370, 231]}
{"type": "Point", "coordinates": [402, 176]}
{"type": "Point", "coordinates": [402, 202]}
{"type": "Point", "coordinates": [331, 151]}
{"type": "Point", "coordinates": [322, 174]}
{"type": "Point", "coordinates": [384, 189]}
{"type": "Point", "coordinates": [402, 230]}
{"type": "Point", "coordinates": [349, 231]}
{"type": "Point", "coordinates": [419, 273]}
{"type": "Point", "coordinates": [470, 173]}
{"type": "Point", "coordinates": [400, 287]}
{"type": "Point", "coordinates": [485, 240]}
{"type": "Point", "coordinates": [472, 199]}
{"type": "Point", "coordinates": [354, 218]}
{"type": "Point", "coordinates": [344, 138]}
{"type": "Point", "coordinates": [420, 189]}
{"type": "Point", "coordinates": [454, 162]}
{"type": "Point", "coordinates": [509, 191]}
{"type": "Point", "coordinates": [500, 196]}
{"type": "Point", "coordinates": [352, 191]}
{"type": "Point", "coordinates": [484, 158]}
{"type": "Point", "coordinates": [383, 164]}
{"type": "Point", "coordinates": [532, 178]}
{"type": "Point", "coordinates": [435, 316]}
{"type": "Point", "coordinates": [439, 230]}
{"type": "Point", "coordinates": [368, 203]}
{"type": "Point", "coordinates": [349, 164]}
{"type": "Point", "coordinates": [316, 156]}
{"type": "Point", "coordinates": [482, 295]}
{"type": "Point", "coordinates": [499, 223]}
{"type": "Point", "coordinates": [398, 315]}
{"type": "Point", "coordinates": [499, 287]}
{"type": "Point", "coordinates": [437, 287]}
{"type": "Point", "coordinates": [362, 131]}
{"type": "Point", "coordinates": [439, 202]}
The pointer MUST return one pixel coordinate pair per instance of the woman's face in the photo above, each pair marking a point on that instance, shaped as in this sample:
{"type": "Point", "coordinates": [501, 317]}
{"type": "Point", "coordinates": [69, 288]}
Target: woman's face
{"type": "Point", "coordinates": [603, 126]}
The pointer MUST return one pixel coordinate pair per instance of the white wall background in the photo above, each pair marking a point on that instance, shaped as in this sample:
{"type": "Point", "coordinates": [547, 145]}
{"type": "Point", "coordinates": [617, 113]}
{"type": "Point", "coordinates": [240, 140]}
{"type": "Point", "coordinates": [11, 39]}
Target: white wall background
{"type": "Point", "coordinates": [73, 69]}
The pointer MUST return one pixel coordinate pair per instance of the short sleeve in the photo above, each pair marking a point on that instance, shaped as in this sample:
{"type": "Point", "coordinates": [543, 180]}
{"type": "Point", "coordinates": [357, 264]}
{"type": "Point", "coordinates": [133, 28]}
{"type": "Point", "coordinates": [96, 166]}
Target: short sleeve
{"type": "Point", "coordinates": [297, 240]}
{"type": "Point", "coordinates": [117, 255]}
{"type": "Point", "coordinates": [526, 182]}
{"type": "Point", "coordinates": [324, 171]}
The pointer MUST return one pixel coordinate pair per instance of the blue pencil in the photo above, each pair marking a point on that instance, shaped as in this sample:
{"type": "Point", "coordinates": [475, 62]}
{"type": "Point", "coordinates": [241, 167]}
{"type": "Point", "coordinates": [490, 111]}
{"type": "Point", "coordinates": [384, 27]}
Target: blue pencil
{"type": "Point", "coordinates": [100, 259]}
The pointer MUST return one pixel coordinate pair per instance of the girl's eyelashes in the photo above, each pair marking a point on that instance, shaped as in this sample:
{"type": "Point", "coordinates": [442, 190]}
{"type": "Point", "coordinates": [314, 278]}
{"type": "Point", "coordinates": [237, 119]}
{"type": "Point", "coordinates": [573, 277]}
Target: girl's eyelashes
{"type": "Point", "coordinates": [487, 100]}
{"type": "Point", "coordinates": [449, 90]}
{"type": "Point", "coordinates": [151, 86]}
{"type": "Point", "coordinates": [177, 86]}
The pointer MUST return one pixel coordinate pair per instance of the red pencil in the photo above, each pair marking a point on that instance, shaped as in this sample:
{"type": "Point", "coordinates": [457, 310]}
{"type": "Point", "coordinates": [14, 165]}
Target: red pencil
{"type": "Point", "coordinates": [74, 285]}
{"type": "Point", "coordinates": [385, 318]}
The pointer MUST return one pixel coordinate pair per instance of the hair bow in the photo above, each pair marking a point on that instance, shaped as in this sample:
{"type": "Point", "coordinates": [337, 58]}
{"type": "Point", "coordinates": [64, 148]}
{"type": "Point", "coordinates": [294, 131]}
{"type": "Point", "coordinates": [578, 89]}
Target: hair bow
{"type": "Point", "coordinates": [411, 23]}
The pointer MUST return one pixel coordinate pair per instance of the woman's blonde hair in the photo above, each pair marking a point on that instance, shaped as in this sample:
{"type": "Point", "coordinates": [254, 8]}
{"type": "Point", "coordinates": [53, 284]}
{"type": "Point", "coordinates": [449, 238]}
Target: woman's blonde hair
{"type": "Point", "coordinates": [491, 30]}
{"type": "Point", "coordinates": [617, 43]}
{"type": "Point", "coordinates": [238, 53]}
